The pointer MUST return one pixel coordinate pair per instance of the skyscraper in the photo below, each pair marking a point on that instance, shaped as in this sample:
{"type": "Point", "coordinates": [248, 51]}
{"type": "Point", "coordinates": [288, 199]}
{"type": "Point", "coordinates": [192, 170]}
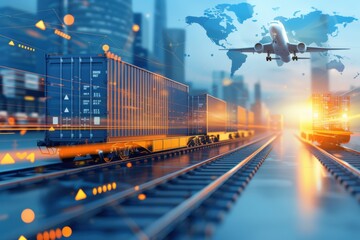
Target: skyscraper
{"type": "Point", "coordinates": [13, 29]}
{"type": "Point", "coordinates": [257, 106]}
{"type": "Point", "coordinates": [319, 71]}
{"type": "Point", "coordinates": [159, 29]}
{"type": "Point", "coordinates": [257, 92]}
{"type": "Point", "coordinates": [235, 91]}
{"type": "Point", "coordinates": [140, 52]}
{"type": "Point", "coordinates": [218, 78]}
{"type": "Point", "coordinates": [174, 44]}
{"type": "Point", "coordinates": [96, 23]}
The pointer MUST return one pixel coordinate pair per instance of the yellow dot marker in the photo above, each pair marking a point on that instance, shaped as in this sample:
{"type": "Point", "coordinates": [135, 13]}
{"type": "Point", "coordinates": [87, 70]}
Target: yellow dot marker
{"type": "Point", "coordinates": [135, 28]}
{"type": "Point", "coordinates": [106, 48]}
{"type": "Point", "coordinates": [80, 195]}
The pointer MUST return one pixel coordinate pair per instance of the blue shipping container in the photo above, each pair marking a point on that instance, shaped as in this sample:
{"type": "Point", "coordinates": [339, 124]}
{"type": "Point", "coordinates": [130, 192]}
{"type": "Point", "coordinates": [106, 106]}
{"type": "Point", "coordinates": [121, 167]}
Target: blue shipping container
{"type": "Point", "coordinates": [95, 99]}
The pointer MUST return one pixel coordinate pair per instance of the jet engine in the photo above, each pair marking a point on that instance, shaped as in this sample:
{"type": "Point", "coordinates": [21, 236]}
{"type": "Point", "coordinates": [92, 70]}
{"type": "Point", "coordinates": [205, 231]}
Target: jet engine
{"type": "Point", "coordinates": [259, 48]}
{"type": "Point", "coordinates": [301, 47]}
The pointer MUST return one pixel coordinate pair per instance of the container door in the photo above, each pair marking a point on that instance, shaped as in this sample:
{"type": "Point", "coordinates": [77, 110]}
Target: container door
{"type": "Point", "coordinates": [76, 99]}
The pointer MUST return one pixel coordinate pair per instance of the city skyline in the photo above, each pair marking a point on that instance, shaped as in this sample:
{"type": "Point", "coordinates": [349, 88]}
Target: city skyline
{"type": "Point", "coordinates": [292, 82]}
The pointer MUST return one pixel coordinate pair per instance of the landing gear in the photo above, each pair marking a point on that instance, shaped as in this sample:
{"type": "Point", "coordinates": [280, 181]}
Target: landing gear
{"type": "Point", "coordinates": [268, 58]}
{"type": "Point", "coordinates": [295, 58]}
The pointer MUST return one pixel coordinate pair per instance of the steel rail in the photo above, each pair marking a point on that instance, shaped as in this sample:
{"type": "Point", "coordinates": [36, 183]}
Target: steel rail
{"type": "Point", "coordinates": [343, 163]}
{"type": "Point", "coordinates": [94, 207]}
{"type": "Point", "coordinates": [166, 223]}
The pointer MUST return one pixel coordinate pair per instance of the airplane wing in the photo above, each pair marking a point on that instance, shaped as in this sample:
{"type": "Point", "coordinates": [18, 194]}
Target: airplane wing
{"type": "Point", "coordinates": [293, 48]}
{"type": "Point", "coordinates": [267, 48]}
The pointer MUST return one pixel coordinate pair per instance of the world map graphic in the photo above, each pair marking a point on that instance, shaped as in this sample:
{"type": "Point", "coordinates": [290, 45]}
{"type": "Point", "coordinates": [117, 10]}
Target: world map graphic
{"type": "Point", "coordinates": [312, 28]}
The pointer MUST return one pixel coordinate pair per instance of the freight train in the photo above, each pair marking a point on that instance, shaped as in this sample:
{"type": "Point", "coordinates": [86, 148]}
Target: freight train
{"type": "Point", "coordinates": [327, 119]}
{"type": "Point", "coordinates": [109, 109]}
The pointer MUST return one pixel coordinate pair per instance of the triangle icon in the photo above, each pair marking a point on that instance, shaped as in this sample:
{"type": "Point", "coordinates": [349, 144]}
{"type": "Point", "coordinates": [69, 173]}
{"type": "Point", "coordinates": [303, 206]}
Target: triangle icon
{"type": "Point", "coordinates": [11, 43]}
{"type": "Point", "coordinates": [40, 25]}
{"type": "Point", "coordinates": [31, 157]}
{"type": "Point", "coordinates": [51, 129]}
{"type": "Point", "coordinates": [7, 159]}
{"type": "Point", "coordinates": [66, 97]}
{"type": "Point", "coordinates": [22, 238]}
{"type": "Point", "coordinates": [80, 195]}
{"type": "Point", "coordinates": [66, 110]}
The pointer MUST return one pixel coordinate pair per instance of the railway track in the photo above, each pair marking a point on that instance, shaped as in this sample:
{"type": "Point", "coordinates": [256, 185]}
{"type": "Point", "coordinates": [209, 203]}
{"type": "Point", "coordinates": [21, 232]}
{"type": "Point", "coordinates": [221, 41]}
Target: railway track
{"type": "Point", "coordinates": [14, 178]}
{"type": "Point", "coordinates": [342, 163]}
{"type": "Point", "coordinates": [348, 155]}
{"type": "Point", "coordinates": [189, 201]}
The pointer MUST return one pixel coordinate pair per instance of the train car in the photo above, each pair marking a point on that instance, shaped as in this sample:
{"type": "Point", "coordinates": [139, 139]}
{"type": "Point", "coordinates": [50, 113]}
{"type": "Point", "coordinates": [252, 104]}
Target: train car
{"type": "Point", "coordinates": [326, 120]}
{"type": "Point", "coordinates": [109, 109]}
{"type": "Point", "coordinates": [101, 100]}
{"type": "Point", "coordinates": [245, 122]}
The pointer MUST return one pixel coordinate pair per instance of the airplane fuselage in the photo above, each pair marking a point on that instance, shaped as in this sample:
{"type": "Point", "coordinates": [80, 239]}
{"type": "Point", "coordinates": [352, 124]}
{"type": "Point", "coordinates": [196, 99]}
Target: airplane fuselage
{"type": "Point", "coordinates": [280, 41]}
{"type": "Point", "coordinates": [281, 47]}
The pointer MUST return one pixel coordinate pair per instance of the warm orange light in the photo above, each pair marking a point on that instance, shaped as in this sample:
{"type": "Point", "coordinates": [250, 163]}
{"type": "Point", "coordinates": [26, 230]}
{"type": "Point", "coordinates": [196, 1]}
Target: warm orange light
{"type": "Point", "coordinates": [23, 132]}
{"type": "Point", "coordinates": [69, 19]}
{"type": "Point", "coordinates": [11, 121]}
{"type": "Point", "coordinates": [46, 235]}
{"type": "Point", "coordinates": [106, 47]}
{"type": "Point", "coordinates": [136, 188]}
{"type": "Point", "coordinates": [61, 34]}
{"type": "Point", "coordinates": [58, 233]}
{"type": "Point", "coordinates": [104, 188]}
{"type": "Point", "coordinates": [141, 197]}
{"type": "Point", "coordinates": [52, 234]}
{"type": "Point", "coordinates": [109, 187]}
{"type": "Point", "coordinates": [227, 82]}
{"type": "Point", "coordinates": [114, 185]}
{"type": "Point", "coordinates": [28, 215]}
{"type": "Point", "coordinates": [99, 190]}
{"type": "Point", "coordinates": [66, 231]}
{"type": "Point", "coordinates": [136, 28]}
{"type": "Point", "coordinates": [94, 191]}
{"type": "Point", "coordinates": [29, 98]}
{"type": "Point", "coordinates": [129, 165]}
{"type": "Point", "coordinates": [39, 236]}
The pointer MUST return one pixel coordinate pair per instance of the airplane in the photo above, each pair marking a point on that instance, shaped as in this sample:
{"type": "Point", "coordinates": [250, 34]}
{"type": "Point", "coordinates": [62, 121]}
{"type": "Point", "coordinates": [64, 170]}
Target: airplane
{"type": "Point", "coordinates": [281, 47]}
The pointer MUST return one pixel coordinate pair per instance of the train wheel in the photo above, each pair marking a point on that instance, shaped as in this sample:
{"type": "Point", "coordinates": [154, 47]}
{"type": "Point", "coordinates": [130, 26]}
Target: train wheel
{"type": "Point", "coordinates": [124, 154]}
{"type": "Point", "coordinates": [109, 157]}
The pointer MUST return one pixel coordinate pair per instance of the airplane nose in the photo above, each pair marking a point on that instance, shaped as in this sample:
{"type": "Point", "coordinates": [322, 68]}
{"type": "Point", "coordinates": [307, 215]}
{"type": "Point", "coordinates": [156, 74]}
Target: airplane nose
{"type": "Point", "coordinates": [273, 31]}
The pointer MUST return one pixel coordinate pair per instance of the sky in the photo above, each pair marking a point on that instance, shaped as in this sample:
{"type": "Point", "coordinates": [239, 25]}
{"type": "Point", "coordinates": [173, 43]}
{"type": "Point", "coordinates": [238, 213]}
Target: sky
{"type": "Point", "coordinates": [291, 82]}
